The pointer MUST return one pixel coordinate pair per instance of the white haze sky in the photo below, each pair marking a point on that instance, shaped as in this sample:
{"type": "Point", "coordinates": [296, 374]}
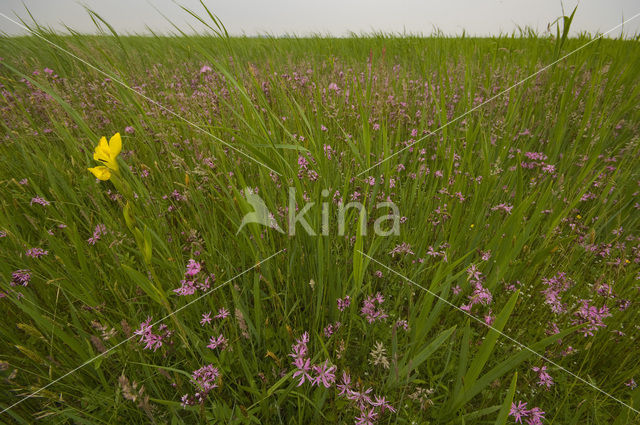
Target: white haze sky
{"type": "Point", "coordinates": [328, 17]}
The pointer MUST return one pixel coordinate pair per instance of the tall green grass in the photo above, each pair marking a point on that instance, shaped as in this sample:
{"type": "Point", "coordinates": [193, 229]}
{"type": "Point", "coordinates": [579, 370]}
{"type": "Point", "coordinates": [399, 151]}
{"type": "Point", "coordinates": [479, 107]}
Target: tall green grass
{"type": "Point", "coordinates": [579, 113]}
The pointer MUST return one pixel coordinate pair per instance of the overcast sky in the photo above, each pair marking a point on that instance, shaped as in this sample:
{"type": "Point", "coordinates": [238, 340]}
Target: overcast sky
{"type": "Point", "coordinates": [335, 17]}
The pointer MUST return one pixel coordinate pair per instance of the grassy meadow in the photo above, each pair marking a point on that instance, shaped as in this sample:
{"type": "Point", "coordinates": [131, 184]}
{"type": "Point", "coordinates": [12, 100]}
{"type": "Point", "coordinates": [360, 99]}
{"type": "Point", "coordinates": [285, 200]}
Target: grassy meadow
{"type": "Point", "coordinates": [514, 277]}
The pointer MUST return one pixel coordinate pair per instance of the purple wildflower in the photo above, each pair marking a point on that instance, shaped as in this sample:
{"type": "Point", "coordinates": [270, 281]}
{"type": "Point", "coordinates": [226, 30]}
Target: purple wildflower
{"type": "Point", "coordinates": [369, 309]}
{"type": "Point", "coordinates": [519, 411]}
{"type": "Point", "coordinates": [343, 303]}
{"type": "Point", "coordinates": [36, 253]}
{"type": "Point", "coordinates": [206, 318]}
{"type": "Point", "coordinates": [331, 328]}
{"type": "Point", "coordinates": [223, 313]}
{"type": "Point", "coordinates": [193, 268]}
{"type": "Point", "coordinates": [41, 201]}
{"type": "Point", "coordinates": [303, 366]}
{"type": "Point", "coordinates": [151, 340]}
{"type": "Point", "coordinates": [383, 404]}
{"type": "Point", "coordinates": [403, 248]}
{"type": "Point", "coordinates": [219, 342]}
{"type": "Point", "coordinates": [205, 377]}
{"type": "Point", "coordinates": [591, 316]}
{"type": "Point", "coordinates": [187, 287]}
{"type": "Point", "coordinates": [544, 379]}
{"type": "Point", "coordinates": [325, 374]}
{"type": "Point", "coordinates": [345, 385]}
{"type": "Point", "coordinates": [20, 277]}
{"type": "Point", "coordinates": [506, 208]}
{"type": "Point", "coordinates": [556, 286]}
{"type": "Point", "coordinates": [97, 233]}
{"type": "Point", "coordinates": [536, 415]}
{"type": "Point", "coordinates": [361, 398]}
{"type": "Point", "coordinates": [402, 324]}
{"type": "Point", "coordinates": [366, 417]}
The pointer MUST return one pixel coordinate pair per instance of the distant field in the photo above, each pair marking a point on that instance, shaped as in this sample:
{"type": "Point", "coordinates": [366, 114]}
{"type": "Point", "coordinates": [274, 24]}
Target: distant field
{"type": "Point", "coordinates": [153, 296]}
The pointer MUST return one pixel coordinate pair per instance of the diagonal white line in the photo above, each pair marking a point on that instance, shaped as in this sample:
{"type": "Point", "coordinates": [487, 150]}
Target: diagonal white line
{"type": "Point", "coordinates": [519, 344]}
{"type": "Point", "coordinates": [459, 117]}
{"type": "Point", "coordinates": [139, 93]}
{"type": "Point", "coordinates": [135, 336]}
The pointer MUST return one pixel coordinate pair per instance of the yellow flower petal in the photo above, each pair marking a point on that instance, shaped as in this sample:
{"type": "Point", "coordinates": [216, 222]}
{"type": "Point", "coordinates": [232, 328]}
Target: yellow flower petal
{"type": "Point", "coordinates": [101, 172]}
{"type": "Point", "coordinates": [102, 152]}
{"type": "Point", "coordinates": [112, 164]}
{"type": "Point", "coordinates": [115, 146]}
{"type": "Point", "coordinates": [103, 145]}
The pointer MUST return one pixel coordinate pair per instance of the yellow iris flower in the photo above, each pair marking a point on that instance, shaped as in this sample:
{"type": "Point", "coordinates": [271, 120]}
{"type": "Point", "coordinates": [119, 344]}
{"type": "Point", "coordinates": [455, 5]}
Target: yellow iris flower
{"type": "Point", "coordinates": [107, 154]}
{"type": "Point", "coordinates": [101, 172]}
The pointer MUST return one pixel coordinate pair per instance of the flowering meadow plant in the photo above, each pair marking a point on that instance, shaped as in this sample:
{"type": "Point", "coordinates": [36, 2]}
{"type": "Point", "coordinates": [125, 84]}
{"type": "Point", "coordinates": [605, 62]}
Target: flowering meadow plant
{"type": "Point", "coordinates": [107, 153]}
{"type": "Point", "coordinates": [505, 291]}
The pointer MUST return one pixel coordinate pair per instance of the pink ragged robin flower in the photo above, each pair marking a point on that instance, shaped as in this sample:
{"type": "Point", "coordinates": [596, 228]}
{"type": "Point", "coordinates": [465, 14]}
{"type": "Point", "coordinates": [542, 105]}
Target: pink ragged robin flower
{"type": "Point", "coordinates": [206, 377]}
{"type": "Point", "coordinates": [97, 233]}
{"type": "Point", "coordinates": [193, 268]}
{"type": "Point", "coordinates": [20, 277]}
{"type": "Point", "coordinates": [383, 404]}
{"type": "Point", "coordinates": [40, 201]}
{"type": "Point", "coordinates": [519, 411]}
{"type": "Point", "coordinates": [591, 317]}
{"type": "Point", "coordinates": [544, 379]}
{"type": "Point", "coordinates": [223, 313]}
{"type": "Point", "coordinates": [506, 208]}
{"type": "Point", "coordinates": [302, 162]}
{"type": "Point", "coordinates": [206, 318]}
{"type": "Point", "coordinates": [345, 385]}
{"type": "Point", "coordinates": [331, 328]}
{"type": "Point", "coordinates": [370, 311]}
{"type": "Point", "coordinates": [367, 417]}
{"type": "Point", "coordinates": [536, 415]}
{"type": "Point", "coordinates": [403, 248]}
{"type": "Point", "coordinates": [303, 367]}
{"type": "Point", "coordinates": [36, 253]}
{"type": "Point", "coordinates": [361, 398]}
{"type": "Point", "coordinates": [187, 287]}
{"type": "Point", "coordinates": [402, 324]}
{"type": "Point", "coordinates": [325, 374]}
{"type": "Point", "coordinates": [473, 273]}
{"type": "Point", "coordinates": [489, 319]}
{"type": "Point", "coordinates": [219, 342]}
{"type": "Point", "coordinates": [151, 340]}
{"type": "Point", "coordinates": [343, 303]}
